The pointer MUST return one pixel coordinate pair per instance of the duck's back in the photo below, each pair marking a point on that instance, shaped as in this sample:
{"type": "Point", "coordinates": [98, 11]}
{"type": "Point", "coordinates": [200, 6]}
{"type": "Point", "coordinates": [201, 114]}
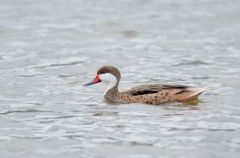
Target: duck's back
{"type": "Point", "coordinates": [158, 94]}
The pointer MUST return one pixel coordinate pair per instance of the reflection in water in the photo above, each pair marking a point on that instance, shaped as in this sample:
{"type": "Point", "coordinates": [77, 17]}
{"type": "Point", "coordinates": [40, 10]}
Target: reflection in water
{"type": "Point", "coordinates": [129, 33]}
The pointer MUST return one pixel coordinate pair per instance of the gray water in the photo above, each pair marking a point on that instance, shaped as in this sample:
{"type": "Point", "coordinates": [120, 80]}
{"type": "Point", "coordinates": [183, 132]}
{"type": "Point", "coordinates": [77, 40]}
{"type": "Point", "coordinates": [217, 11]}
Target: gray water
{"type": "Point", "coordinates": [49, 48]}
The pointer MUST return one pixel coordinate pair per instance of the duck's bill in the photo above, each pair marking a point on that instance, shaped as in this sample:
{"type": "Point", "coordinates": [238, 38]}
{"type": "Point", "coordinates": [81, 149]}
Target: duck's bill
{"type": "Point", "coordinates": [88, 84]}
{"type": "Point", "coordinates": [94, 81]}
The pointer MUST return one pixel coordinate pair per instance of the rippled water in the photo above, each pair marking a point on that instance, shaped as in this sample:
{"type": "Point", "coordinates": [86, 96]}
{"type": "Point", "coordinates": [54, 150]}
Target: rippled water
{"type": "Point", "coordinates": [48, 49]}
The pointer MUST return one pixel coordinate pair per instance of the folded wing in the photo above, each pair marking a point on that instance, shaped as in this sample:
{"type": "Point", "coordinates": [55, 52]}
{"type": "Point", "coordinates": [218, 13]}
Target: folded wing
{"type": "Point", "coordinates": [155, 88]}
{"type": "Point", "coordinates": [179, 92]}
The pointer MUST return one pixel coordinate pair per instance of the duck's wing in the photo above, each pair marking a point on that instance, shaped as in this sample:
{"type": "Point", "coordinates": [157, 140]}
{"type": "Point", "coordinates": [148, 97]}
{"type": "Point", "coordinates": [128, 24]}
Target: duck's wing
{"type": "Point", "coordinates": [155, 88]}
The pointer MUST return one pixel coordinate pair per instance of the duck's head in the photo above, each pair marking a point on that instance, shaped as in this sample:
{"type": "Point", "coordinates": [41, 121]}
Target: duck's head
{"type": "Point", "coordinates": [107, 74]}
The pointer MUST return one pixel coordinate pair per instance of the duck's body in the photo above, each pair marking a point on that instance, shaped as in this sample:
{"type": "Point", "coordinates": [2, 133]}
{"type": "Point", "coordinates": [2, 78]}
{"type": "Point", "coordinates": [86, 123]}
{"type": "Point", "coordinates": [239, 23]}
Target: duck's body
{"type": "Point", "coordinates": [147, 94]}
{"type": "Point", "coordinates": [153, 94]}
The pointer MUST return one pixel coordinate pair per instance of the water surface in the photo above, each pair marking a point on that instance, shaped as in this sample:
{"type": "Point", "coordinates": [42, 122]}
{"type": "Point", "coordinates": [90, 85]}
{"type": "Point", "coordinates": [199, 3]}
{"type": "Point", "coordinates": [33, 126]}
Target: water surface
{"type": "Point", "coordinates": [50, 48]}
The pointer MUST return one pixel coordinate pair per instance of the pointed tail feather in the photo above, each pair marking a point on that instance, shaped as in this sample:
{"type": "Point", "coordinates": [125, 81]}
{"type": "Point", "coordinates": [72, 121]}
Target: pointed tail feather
{"type": "Point", "coordinates": [190, 94]}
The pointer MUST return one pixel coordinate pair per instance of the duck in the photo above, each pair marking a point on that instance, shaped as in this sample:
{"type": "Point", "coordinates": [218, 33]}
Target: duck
{"type": "Point", "coordinates": [154, 93]}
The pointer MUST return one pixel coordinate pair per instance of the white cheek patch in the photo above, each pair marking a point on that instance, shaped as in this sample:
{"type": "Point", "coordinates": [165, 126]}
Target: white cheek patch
{"type": "Point", "coordinates": [109, 79]}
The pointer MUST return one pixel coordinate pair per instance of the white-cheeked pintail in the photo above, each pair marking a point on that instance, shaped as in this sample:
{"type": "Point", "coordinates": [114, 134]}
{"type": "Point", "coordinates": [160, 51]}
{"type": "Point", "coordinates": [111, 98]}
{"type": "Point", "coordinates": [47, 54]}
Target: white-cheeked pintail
{"type": "Point", "coordinates": [146, 94]}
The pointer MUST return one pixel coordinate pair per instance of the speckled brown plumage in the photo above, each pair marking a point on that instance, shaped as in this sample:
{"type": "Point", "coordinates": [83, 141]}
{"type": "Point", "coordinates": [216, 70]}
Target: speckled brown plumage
{"type": "Point", "coordinates": [149, 93]}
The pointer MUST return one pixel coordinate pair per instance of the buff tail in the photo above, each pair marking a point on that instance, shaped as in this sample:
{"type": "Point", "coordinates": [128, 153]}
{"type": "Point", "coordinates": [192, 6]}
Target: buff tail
{"type": "Point", "coordinates": [189, 94]}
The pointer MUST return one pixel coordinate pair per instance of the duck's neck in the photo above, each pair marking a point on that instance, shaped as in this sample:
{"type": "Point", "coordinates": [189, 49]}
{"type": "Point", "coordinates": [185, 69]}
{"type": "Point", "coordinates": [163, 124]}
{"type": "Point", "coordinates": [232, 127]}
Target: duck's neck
{"type": "Point", "coordinates": [111, 94]}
